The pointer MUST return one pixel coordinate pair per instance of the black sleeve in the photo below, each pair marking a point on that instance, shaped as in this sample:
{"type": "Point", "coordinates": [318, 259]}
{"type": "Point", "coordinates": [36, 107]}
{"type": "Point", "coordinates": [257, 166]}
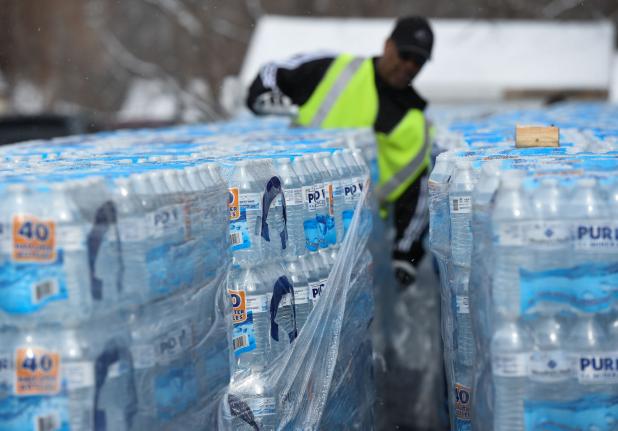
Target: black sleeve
{"type": "Point", "coordinates": [297, 78]}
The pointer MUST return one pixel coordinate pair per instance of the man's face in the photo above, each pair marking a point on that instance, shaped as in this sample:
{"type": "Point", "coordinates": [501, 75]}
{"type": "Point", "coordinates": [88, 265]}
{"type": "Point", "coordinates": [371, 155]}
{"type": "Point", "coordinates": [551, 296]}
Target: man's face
{"type": "Point", "coordinates": [399, 70]}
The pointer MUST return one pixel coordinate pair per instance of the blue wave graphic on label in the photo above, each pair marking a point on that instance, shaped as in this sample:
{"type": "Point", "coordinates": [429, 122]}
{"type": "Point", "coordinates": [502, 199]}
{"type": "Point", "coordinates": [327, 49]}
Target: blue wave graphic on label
{"type": "Point", "coordinates": [597, 412]}
{"type": "Point", "coordinates": [28, 287]}
{"type": "Point", "coordinates": [312, 238]}
{"type": "Point", "coordinates": [24, 413]}
{"type": "Point", "coordinates": [244, 335]}
{"type": "Point", "coordinates": [590, 288]}
{"type": "Point", "coordinates": [323, 229]}
{"type": "Point", "coordinates": [239, 232]}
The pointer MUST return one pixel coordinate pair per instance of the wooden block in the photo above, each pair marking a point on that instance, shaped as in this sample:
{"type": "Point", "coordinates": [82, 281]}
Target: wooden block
{"type": "Point", "coordinates": [537, 136]}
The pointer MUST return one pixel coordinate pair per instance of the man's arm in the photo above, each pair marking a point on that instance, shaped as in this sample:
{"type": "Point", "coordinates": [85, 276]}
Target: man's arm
{"type": "Point", "coordinates": [295, 79]}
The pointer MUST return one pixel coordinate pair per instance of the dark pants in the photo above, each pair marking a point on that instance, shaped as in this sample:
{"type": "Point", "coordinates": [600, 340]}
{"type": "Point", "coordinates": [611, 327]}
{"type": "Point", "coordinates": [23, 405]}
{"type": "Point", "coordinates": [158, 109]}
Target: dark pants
{"type": "Point", "coordinates": [411, 220]}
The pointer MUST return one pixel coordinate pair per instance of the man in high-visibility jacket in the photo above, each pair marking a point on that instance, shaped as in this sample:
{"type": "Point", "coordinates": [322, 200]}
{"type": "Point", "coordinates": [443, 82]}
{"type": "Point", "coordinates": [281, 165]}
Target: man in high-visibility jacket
{"type": "Point", "coordinates": [346, 91]}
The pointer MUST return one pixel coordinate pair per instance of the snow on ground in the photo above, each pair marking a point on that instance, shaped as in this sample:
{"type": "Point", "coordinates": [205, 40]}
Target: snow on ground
{"type": "Point", "coordinates": [27, 98]}
{"type": "Point", "coordinates": [149, 100]}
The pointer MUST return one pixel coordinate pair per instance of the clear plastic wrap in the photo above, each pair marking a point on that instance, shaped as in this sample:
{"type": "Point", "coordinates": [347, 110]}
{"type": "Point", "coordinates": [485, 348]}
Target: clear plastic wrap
{"type": "Point", "coordinates": [324, 380]}
{"type": "Point", "coordinates": [119, 308]}
{"type": "Point", "coordinates": [541, 288]}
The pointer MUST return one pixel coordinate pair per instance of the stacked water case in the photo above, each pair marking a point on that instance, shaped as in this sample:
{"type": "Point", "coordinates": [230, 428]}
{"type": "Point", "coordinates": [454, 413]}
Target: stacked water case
{"type": "Point", "coordinates": [193, 277]}
{"type": "Point", "coordinates": [527, 248]}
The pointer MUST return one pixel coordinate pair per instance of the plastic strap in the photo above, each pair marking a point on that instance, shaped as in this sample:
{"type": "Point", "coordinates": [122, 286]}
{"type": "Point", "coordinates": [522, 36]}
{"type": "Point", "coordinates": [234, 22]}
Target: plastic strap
{"type": "Point", "coordinates": [104, 217]}
{"type": "Point", "coordinates": [282, 287]}
{"type": "Point", "coordinates": [335, 91]}
{"type": "Point", "coordinates": [241, 409]}
{"type": "Point", "coordinates": [113, 353]}
{"type": "Point", "coordinates": [273, 188]}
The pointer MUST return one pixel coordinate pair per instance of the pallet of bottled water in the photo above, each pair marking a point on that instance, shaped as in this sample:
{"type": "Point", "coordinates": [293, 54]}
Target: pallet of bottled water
{"type": "Point", "coordinates": [526, 242]}
{"type": "Point", "coordinates": [196, 277]}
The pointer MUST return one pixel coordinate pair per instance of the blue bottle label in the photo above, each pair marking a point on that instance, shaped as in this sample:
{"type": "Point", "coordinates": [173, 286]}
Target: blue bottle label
{"type": "Point", "coordinates": [35, 386]}
{"type": "Point", "coordinates": [462, 408]}
{"type": "Point", "coordinates": [243, 336]}
{"type": "Point", "coordinates": [239, 233]}
{"type": "Point", "coordinates": [28, 287]}
{"type": "Point", "coordinates": [322, 225]}
{"type": "Point", "coordinates": [35, 413]}
{"type": "Point", "coordinates": [312, 237]}
{"type": "Point", "coordinates": [597, 412]}
{"type": "Point", "coordinates": [238, 205]}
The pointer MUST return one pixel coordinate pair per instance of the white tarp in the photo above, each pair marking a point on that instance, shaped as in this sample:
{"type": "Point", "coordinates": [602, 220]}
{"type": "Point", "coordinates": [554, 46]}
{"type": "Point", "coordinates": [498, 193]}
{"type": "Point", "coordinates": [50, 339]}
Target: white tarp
{"type": "Point", "coordinates": [613, 95]}
{"type": "Point", "coordinates": [472, 59]}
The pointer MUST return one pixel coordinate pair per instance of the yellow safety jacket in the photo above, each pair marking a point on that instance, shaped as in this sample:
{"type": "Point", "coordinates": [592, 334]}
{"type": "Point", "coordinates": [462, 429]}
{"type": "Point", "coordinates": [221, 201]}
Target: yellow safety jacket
{"type": "Point", "coordinates": [347, 97]}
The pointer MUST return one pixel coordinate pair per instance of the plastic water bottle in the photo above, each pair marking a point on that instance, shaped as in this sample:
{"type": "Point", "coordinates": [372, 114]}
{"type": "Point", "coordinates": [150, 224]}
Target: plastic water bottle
{"type": "Point", "coordinates": [340, 188]}
{"type": "Point", "coordinates": [510, 350]}
{"type": "Point", "coordinates": [550, 367]}
{"type": "Point", "coordinates": [52, 370]}
{"type": "Point", "coordinates": [352, 191]}
{"type": "Point", "coordinates": [271, 229]}
{"type": "Point", "coordinates": [460, 201]}
{"type": "Point", "coordinates": [201, 225]}
{"type": "Point", "coordinates": [294, 205]}
{"type": "Point", "coordinates": [43, 248]}
{"type": "Point", "coordinates": [323, 271]}
{"type": "Point", "coordinates": [587, 347]}
{"type": "Point", "coordinates": [216, 216]}
{"type": "Point", "coordinates": [310, 224]}
{"type": "Point", "coordinates": [364, 168]}
{"type": "Point", "coordinates": [251, 404]}
{"type": "Point", "coordinates": [245, 206]}
{"type": "Point", "coordinates": [327, 259]}
{"type": "Point", "coordinates": [282, 305]}
{"type": "Point", "coordinates": [164, 345]}
{"type": "Point", "coordinates": [152, 208]}
{"type": "Point", "coordinates": [463, 323]}
{"type": "Point", "coordinates": [133, 238]}
{"type": "Point", "coordinates": [592, 220]}
{"type": "Point", "coordinates": [315, 277]}
{"type": "Point", "coordinates": [549, 234]}
{"type": "Point", "coordinates": [331, 178]}
{"type": "Point", "coordinates": [439, 223]}
{"type": "Point", "coordinates": [320, 178]}
{"type": "Point", "coordinates": [509, 221]}
{"type": "Point", "coordinates": [302, 292]}
{"type": "Point", "coordinates": [260, 334]}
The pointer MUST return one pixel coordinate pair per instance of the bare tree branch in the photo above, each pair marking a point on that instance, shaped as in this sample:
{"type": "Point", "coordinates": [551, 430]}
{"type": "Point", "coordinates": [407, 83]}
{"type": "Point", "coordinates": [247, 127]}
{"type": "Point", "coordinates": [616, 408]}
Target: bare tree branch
{"type": "Point", "coordinates": [142, 68]}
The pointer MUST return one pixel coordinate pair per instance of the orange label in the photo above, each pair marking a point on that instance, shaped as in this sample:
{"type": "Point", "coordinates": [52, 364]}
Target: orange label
{"type": "Point", "coordinates": [331, 200]}
{"type": "Point", "coordinates": [233, 203]}
{"type": "Point", "coordinates": [37, 372]}
{"type": "Point", "coordinates": [462, 402]}
{"type": "Point", "coordinates": [239, 305]}
{"type": "Point", "coordinates": [34, 240]}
